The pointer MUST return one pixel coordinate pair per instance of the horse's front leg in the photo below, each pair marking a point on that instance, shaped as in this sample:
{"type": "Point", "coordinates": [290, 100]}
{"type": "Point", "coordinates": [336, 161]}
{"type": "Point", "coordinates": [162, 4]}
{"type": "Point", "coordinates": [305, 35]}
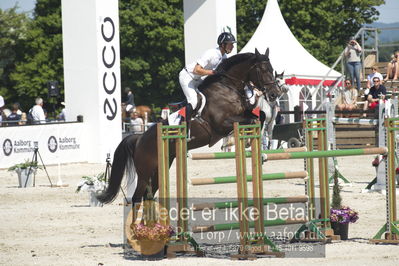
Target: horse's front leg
{"type": "Point", "coordinates": [243, 120]}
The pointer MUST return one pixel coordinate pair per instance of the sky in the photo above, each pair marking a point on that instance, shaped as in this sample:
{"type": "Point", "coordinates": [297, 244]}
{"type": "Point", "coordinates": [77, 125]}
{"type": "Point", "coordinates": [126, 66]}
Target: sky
{"type": "Point", "coordinates": [388, 12]}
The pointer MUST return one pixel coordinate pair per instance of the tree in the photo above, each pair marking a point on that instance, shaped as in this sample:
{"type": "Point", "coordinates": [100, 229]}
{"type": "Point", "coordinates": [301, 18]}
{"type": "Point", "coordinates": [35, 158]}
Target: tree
{"type": "Point", "coordinates": [152, 49]}
{"type": "Point", "coordinates": [42, 55]}
{"type": "Point", "coordinates": [322, 27]}
{"type": "Point", "coordinates": [152, 42]}
{"type": "Point", "coordinates": [13, 27]}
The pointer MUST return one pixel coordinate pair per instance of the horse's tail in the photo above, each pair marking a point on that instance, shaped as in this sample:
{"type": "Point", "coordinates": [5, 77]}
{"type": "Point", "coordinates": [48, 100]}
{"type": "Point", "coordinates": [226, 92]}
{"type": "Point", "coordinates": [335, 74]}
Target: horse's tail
{"type": "Point", "coordinates": [123, 157]}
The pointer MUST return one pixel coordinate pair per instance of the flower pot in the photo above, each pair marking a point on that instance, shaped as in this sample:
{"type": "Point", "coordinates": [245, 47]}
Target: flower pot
{"type": "Point", "coordinates": [340, 229]}
{"type": "Point", "coordinates": [147, 247]}
{"type": "Point", "coordinates": [24, 179]}
{"type": "Point", "coordinates": [93, 201]}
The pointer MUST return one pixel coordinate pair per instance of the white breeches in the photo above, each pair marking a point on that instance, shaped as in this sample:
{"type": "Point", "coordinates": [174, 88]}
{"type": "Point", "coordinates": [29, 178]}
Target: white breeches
{"type": "Point", "coordinates": [189, 85]}
{"type": "Point", "coordinates": [251, 95]}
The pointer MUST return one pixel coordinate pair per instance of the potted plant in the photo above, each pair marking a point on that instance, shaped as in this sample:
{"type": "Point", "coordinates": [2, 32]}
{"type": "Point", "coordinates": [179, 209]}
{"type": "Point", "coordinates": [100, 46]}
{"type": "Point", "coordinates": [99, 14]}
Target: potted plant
{"type": "Point", "coordinates": [93, 185]}
{"type": "Point", "coordinates": [340, 216]}
{"type": "Point", "coordinates": [26, 172]}
{"type": "Point", "coordinates": [147, 234]}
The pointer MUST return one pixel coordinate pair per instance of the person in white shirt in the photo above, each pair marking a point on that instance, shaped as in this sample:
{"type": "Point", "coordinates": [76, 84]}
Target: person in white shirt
{"type": "Point", "coordinates": [353, 61]}
{"type": "Point", "coordinates": [136, 123]}
{"type": "Point", "coordinates": [347, 100]}
{"type": "Point", "coordinates": [370, 77]}
{"type": "Point", "coordinates": [38, 113]}
{"type": "Point", "coordinates": [191, 76]}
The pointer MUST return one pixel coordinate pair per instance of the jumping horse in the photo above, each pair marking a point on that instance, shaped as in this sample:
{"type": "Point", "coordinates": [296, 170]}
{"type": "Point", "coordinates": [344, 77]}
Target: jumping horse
{"type": "Point", "coordinates": [226, 103]}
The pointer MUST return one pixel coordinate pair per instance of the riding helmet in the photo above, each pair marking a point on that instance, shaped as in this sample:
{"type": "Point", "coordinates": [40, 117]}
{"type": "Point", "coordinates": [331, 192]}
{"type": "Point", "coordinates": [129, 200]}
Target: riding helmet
{"type": "Point", "coordinates": [226, 37]}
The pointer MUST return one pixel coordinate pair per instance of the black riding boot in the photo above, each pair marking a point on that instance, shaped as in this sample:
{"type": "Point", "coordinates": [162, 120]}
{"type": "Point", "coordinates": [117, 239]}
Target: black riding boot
{"type": "Point", "coordinates": [189, 112]}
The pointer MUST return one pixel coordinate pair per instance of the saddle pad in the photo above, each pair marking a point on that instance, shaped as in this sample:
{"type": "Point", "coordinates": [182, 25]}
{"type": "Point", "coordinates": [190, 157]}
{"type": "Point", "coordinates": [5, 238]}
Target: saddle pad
{"type": "Point", "coordinates": [174, 119]}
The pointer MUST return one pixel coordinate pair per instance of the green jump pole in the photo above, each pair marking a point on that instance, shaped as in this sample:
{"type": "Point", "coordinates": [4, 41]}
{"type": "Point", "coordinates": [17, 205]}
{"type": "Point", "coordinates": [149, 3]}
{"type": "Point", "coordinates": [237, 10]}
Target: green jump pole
{"type": "Point", "coordinates": [233, 179]}
{"type": "Point", "coordinates": [234, 226]}
{"type": "Point", "coordinates": [323, 154]}
{"type": "Point", "coordinates": [231, 155]}
{"type": "Point", "coordinates": [234, 204]}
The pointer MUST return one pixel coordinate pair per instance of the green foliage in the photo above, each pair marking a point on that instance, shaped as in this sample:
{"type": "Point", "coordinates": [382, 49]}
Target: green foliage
{"type": "Point", "coordinates": [97, 181]}
{"type": "Point", "coordinates": [152, 42]}
{"type": "Point", "coordinates": [42, 50]}
{"type": "Point", "coordinates": [322, 27]}
{"type": "Point", "coordinates": [152, 49]}
{"type": "Point", "coordinates": [24, 165]}
{"type": "Point", "coordinates": [336, 197]}
{"type": "Point", "coordinates": [13, 30]}
{"type": "Point", "coordinates": [385, 53]}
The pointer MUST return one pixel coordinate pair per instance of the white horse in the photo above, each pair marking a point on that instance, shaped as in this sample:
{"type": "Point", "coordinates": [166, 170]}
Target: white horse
{"type": "Point", "coordinates": [268, 114]}
{"type": "Point", "coordinates": [269, 110]}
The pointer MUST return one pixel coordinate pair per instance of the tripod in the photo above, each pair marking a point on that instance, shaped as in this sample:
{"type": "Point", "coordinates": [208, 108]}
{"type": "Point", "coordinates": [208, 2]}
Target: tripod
{"type": "Point", "coordinates": [34, 160]}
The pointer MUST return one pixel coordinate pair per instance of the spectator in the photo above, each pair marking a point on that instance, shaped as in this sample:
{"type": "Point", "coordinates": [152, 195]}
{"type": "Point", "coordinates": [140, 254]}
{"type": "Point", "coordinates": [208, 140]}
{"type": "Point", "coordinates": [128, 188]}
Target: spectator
{"type": "Point", "coordinates": [377, 92]}
{"type": "Point", "coordinates": [136, 123]}
{"type": "Point", "coordinates": [371, 76]}
{"type": "Point", "coordinates": [347, 98]}
{"type": "Point", "coordinates": [61, 116]}
{"type": "Point", "coordinates": [393, 68]}
{"type": "Point", "coordinates": [15, 115]}
{"type": "Point", "coordinates": [23, 119]}
{"type": "Point", "coordinates": [37, 112]}
{"type": "Point", "coordinates": [353, 64]}
{"type": "Point", "coordinates": [130, 106]}
{"type": "Point", "coordinates": [1, 109]}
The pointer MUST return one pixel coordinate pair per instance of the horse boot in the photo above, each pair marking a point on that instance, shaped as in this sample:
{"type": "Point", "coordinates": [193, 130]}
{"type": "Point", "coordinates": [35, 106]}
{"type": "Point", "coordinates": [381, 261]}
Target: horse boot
{"type": "Point", "coordinates": [189, 112]}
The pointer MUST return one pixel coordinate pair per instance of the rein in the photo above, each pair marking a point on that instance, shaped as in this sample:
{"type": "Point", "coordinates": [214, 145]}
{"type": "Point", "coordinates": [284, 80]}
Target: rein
{"type": "Point", "coordinates": [244, 83]}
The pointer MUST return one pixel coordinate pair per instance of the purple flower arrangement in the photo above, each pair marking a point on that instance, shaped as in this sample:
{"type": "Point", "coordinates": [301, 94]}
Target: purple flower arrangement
{"type": "Point", "coordinates": [343, 215]}
{"type": "Point", "coordinates": [155, 232]}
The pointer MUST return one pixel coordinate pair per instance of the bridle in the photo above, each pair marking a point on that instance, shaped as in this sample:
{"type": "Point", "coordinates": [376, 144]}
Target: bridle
{"type": "Point", "coordinates": [247, 81]}
{"type": "Point", "coordinates": [261, 85]}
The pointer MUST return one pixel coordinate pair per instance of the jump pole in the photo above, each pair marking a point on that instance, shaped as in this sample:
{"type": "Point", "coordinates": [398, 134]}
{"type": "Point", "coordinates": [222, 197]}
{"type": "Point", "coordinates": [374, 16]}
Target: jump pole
{"type": "Point", "coordinates": [234, 204]}
{"type": "Point", "coordinates": [389, 233]}
{"type": "Point", "coordinates": [325, 154]}
{"type": "Point", "coordinates": [231, 155]}
{"type": "Point", "coordinates": [233, 179]}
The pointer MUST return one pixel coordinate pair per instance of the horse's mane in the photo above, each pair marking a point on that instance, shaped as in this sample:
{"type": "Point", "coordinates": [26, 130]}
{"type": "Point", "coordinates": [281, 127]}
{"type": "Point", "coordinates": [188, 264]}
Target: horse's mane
{"type": "Point", "coordinates": [231, 61]}
{"type": "Point", "coordinates": [224, 66]}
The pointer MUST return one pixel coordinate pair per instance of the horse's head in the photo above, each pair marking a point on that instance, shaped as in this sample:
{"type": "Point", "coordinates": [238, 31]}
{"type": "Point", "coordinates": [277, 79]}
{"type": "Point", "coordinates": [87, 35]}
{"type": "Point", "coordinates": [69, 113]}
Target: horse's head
{"type": "Point", "coordinates": [280, 82]}
{"type": "Point", "coordinates": [261, 74]}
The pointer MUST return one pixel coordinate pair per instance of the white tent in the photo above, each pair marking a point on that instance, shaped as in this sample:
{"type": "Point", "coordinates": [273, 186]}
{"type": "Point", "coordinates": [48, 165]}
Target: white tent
{"type": "Point", "coordinates": [302, 72]}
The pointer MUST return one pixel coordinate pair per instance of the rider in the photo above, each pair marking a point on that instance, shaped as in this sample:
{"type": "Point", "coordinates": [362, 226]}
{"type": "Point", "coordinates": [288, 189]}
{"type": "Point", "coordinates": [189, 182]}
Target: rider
{"type": "Point", "coordinates": [191, 76]}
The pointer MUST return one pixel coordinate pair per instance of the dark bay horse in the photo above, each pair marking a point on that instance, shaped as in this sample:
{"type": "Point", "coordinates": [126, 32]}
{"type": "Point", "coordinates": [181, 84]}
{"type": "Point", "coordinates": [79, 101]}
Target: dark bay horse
{"type": "Point", "coordinates": [226, 103]}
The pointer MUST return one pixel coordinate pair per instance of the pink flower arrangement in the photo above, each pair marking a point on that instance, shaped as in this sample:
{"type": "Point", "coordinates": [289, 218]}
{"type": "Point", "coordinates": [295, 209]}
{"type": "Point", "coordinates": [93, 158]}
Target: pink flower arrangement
{"type": "Point", "coordinates": [343, 215]}
{"type": "Point", "coordinates": [156, 232]}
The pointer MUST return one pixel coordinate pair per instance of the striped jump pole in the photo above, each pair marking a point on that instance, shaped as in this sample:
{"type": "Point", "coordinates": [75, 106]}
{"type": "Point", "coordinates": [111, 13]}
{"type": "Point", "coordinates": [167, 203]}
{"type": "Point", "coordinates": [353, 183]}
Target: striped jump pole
{"type": "Point", "coordinates": [231, 155]}
{"type": "Point", "coordinates": [234, 204]}
{"type": "Point", "coordinates": [325, 154]}
{"type": "Point", "coordinates": [233, 179]}
{"type": "Point", "coordinates": [389, 233]}
{"type": "Point", "coordinates": [357, 121]}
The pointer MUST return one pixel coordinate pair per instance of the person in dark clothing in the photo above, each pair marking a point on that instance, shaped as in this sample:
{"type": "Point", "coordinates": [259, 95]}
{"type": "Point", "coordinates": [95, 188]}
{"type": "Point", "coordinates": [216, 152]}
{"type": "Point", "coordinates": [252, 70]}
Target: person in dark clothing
{"type": "Point", "coordinates": [130, 106]}
{"type": "Point", "coordinates": [377, 93]}
{"type": "Point", "coordinates": [15, 115]}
